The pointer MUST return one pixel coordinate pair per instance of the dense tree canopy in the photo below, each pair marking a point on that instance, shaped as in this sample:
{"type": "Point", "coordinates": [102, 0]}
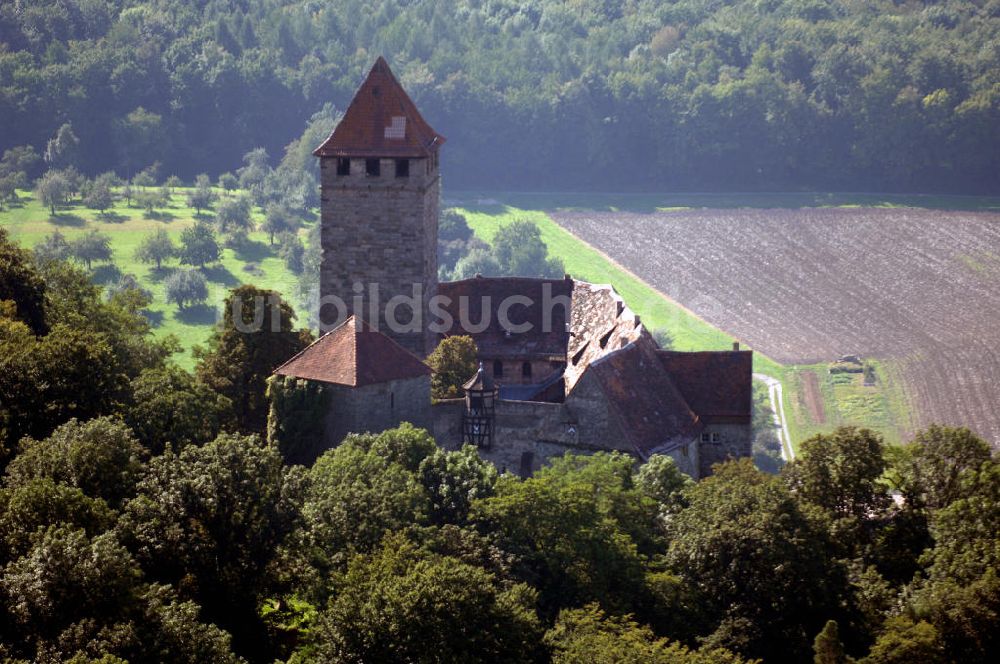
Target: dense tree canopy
{"type": "Point", "coordinates": [649, 94]}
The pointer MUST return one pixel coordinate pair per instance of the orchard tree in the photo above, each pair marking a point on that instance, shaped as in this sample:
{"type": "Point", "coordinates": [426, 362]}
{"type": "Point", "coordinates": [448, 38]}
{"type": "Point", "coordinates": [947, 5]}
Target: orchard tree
{"type": "Point", "coordinates": [453, 362]}
{"type": "Point", "coordinates": [277, 219]}
{"type": "Point", "coordinates": [202, 196]}
{"type": "Point", "coordinates": [53, 247]}
{"type": "Point", "coordinates": [156, 248]}
{"type": "Point", "coordinates": [186, 287]}
{"type": "Point", "coordinates": [228, 182]}
{"type": "Point", "coordinates": [292, 251]}
{"type": "Point", "coordinates": [198, 245]}
{"type": "Point", "coordinates": [53, 189]}
{"type": "Point", "coordinates": [91, 246]}
{"type": "Point", "coordinates": [233, 215]}
{"type": "Point", "coordinates": [99, 197]}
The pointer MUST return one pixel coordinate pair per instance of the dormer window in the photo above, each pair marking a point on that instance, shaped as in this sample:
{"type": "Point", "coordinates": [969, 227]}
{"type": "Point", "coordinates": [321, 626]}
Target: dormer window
{"type": "Point", "coordinates": [373, 167]}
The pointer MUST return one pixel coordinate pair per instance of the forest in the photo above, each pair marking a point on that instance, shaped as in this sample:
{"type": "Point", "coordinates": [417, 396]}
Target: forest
{"type": "Point", "coordinates": [688, 95]}
{"type": "Point", "coordinates": [148, 513]}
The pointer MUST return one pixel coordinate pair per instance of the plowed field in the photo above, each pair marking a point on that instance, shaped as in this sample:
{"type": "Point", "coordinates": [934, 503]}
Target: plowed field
{"type": "Point", "coordinates": [918, 287]}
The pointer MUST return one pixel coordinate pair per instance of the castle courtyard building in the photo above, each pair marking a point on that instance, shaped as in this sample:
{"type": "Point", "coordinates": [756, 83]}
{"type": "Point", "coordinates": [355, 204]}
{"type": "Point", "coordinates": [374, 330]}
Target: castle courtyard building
{"type": "Point", "coordinates": [565, 365]}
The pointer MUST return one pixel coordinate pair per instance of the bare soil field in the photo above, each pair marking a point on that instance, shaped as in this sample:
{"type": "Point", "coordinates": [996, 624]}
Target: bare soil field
{"type": "Point", "coordinates": [919, 288]}
{"type": "Point", "coordinates": [812, 396]}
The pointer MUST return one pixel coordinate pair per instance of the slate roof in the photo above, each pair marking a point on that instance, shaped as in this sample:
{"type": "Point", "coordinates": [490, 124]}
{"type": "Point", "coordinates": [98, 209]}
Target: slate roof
{"type": "Point", "coordinates": [543, 341]}
{"type": "Point", "coordinates": [382, 121]}
{"type": "Point", "coordinates": [651, 410]}
{"type": "Point", "coordinates": [716, 384]}
{"type": "Point", "coordinates": [356, 355]}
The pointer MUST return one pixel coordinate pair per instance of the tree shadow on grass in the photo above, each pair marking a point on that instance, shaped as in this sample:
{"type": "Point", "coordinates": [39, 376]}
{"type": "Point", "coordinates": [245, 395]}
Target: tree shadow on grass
{"type": "Point", "coordinates": [105, 274]}
{"type": "Point", "coordinates": [111, 217]}
{"type": "Point", "coordinates": [159, 215]}
{"type": "Point", "coordinates": [220, 274]}
{"type": "Point", "coordinates": [196, 314]}
{"type": "Point", "coordinates": [155, 318]}
{"type": "Point", "coordinates": [158, 274]}
{"type": "Point", "coordinates": [67, 219]}
{"type": "Point", "coordinates": [253, 251]}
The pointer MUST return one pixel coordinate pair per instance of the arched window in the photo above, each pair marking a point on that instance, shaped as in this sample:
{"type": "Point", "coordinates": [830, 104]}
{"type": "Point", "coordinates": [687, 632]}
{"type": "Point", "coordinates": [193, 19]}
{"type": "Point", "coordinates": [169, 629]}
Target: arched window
{"type": "Point", "coordinates": [497, 368]}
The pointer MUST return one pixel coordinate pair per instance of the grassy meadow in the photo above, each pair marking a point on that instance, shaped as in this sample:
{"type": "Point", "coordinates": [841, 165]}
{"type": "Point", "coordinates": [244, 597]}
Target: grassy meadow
{"type": "Point", "coordinates": [28, 222]}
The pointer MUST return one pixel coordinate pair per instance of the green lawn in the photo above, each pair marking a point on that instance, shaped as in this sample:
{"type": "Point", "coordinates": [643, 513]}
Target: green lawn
{"type": "Point", "coordinates": [29, 223]}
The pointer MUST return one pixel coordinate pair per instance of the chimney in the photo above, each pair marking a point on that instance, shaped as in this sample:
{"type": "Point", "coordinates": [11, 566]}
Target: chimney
{"type": "Point", "coordinates": [736, 346]}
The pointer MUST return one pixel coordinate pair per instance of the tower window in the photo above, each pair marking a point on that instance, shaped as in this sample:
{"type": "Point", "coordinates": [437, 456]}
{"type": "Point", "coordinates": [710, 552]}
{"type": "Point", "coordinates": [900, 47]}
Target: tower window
{"type": "Point", "coordinates": [402, 168]}
{"type": "Point", "coordinates": [343, 166]}
{"type": "Point", "coordinates": [498, 368]}
{"type": "Point", "coordinates": [373, 167]}
{"type": "Point", "coordinates": [526, 369]}
{"type": "Point", "coordinates": [392, 400]}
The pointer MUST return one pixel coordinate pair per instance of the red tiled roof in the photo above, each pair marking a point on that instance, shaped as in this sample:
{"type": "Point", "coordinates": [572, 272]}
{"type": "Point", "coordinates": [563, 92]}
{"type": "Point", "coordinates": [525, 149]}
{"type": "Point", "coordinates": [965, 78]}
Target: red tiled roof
{"type": "Point", "coordinates": [356, 355]}
{"type": "Point", "coordinates": [542, 341]}
{"type": "Point", "coordinates": [716, 384]}
{"type": "Point", "coordinates": [651, 410]}
{"type": "Point", "coordinates": [381, 121]}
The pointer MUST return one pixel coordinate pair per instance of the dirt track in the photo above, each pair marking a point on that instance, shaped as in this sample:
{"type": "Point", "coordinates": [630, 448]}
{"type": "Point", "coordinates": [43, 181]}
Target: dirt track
{"type": "Point", "coordinates": [810, 285]}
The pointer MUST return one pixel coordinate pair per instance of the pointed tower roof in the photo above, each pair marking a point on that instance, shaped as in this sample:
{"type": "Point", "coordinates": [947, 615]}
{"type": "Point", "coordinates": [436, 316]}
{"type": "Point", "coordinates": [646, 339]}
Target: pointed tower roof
{"type": "Point", "coordinates": [481, 382]}
{"type": "Point", "coordinates": [354, 354]}
{"type": "Point", "coordinates": [382, 121]}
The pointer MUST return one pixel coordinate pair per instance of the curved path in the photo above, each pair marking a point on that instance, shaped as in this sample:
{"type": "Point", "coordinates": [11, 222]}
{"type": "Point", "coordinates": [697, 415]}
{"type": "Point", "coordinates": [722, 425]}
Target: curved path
{"type": "Point", "coordinates": [778, 409]}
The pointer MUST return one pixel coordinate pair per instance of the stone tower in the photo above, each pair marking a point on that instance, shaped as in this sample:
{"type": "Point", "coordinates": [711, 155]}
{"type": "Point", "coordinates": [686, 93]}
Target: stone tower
{"type": "Point", "coordinates": [380, 190]}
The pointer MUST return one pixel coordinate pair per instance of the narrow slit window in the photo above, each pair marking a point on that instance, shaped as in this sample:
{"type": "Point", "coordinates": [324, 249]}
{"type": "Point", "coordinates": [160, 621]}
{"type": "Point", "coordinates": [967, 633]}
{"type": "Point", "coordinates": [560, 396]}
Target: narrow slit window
{"type": "Point", "coordinates": [402, 168]}
{"type": "Point", "coordinates": [343, 166]}
{"type": "Point", "coordinates": [498, 368]}
{"type": "Point", "coordinates": [526, 370]}
{"type": "Point", "coordinates": [373, 167]}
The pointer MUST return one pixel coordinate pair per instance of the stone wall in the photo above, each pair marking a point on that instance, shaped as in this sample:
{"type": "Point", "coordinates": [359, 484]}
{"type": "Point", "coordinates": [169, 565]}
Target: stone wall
{"type": "Point", "coordinates": [380, 232]}
{"type": "Point", "coordinates": [377, 407]}
{"type": "Point", "coordinates": [725, 441]}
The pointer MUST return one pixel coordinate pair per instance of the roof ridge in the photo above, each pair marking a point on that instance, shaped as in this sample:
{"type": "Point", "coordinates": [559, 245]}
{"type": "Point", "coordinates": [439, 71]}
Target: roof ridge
{"type": "Point", "coordinates": [316, 341]}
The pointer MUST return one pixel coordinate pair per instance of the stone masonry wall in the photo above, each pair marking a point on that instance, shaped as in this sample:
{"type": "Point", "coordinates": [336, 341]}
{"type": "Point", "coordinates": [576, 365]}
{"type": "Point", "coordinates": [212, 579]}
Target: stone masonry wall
{"type": "Point", "coordinates": [734, 442]}
{"type": "Point", "coordinates": [377, 407]}
{"type": "Point", "coordinates": [380, 232]}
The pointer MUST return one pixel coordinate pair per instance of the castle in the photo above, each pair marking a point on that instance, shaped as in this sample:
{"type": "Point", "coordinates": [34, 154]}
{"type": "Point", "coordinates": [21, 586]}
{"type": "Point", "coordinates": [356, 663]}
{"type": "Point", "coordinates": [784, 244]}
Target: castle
{"type": "Point", "coordinates": [565, 365]}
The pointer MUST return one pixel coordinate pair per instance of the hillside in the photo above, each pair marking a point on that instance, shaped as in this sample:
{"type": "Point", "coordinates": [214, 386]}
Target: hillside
{"type": "Point", "coordinates": [686, 95]}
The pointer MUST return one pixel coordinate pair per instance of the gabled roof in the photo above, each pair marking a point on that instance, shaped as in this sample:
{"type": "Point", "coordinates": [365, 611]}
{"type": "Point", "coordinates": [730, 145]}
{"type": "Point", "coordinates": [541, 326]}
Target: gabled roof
{"type": "Point", "coordinates": [651, 410]}
{"type": "Point", "coordinates": [716, 384]}
{"type": "Point", "coordinates": [382, 121]}
{"type": "Point", "coordinates": [474, 300]}
{"type": "Point", "coordinates": [354, 354]}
